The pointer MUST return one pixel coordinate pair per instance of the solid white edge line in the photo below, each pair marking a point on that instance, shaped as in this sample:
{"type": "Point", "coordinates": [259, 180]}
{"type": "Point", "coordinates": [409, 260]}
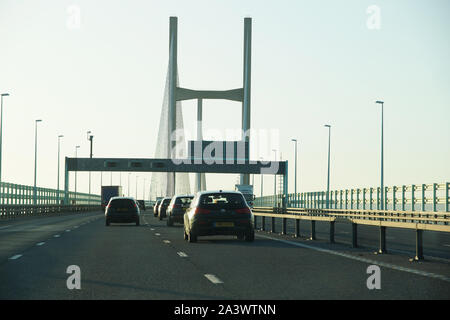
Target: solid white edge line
{"type": "Point", "coordinates": [213, 278]}
{"type": "Point", "coordinates": [17, 256]}
{"type": "Point", "coordinates": [364, 260]}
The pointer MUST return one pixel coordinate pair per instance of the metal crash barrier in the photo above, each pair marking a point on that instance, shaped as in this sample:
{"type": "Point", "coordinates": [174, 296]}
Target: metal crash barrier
{"type": "Point", "coordinates": [15, 211]}
{"type": "Point", "coordinates": [414, 220]}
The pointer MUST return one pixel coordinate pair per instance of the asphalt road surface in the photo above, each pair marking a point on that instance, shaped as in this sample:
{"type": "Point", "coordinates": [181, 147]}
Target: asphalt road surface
{"type": "Point", "coordinates": [152, 261]}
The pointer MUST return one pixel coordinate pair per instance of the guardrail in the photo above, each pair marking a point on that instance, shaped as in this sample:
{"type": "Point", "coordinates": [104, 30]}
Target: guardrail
{"type": "Point", "coordinates": [423, 197]}
{"type": "Point", "coordinates": [416, 220]}
{"type": "Point", "coordinates": [15, 211]}
{"type": "Point", "coordinates": [18, 194]}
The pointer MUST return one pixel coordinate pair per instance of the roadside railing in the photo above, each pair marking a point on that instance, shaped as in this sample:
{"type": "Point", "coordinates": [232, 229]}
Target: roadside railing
{"type": "Point", "coordinates": [415, 220]}
{"type": "Point", "coordinates": [420, 197]}
{"type": "Point", "coordinates": [18, 194]}
{"type": "Point", "coordinates": [15, 211]}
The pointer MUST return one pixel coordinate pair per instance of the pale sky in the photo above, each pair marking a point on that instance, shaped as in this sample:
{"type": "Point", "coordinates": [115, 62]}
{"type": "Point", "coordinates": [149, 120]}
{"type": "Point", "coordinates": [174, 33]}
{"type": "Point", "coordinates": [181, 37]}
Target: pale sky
{"type": "Point", "coordinates": [313, 62]}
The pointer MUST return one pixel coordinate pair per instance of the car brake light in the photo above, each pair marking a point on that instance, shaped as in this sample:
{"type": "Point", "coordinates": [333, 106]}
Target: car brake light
{"type": "Point", "coordinates": [202, 211]}
{"type": "Point", "coordinates": [243, 210]}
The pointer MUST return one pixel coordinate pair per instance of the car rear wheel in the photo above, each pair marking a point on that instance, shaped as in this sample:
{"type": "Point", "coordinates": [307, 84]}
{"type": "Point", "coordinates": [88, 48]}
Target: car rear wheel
{"type": "Point", "coordinates": [192, 237]}
{"type": "Point", "coordinates": [250, 237]}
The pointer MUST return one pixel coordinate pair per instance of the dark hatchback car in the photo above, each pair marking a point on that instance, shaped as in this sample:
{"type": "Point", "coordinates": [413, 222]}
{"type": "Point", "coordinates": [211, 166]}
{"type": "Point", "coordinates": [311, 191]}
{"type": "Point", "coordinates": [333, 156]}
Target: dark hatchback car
{"type": "Point", "coordinates": [177, 207]}
{"type": "Point", "coordinates": [163, 207]}
{"type": "Point", "coordinates": [122, 210]}
{"type": "Point", "coordinates": [219, 213]}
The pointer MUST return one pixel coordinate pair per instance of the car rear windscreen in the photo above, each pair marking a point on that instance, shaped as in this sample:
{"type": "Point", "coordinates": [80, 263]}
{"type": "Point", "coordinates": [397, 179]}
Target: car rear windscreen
{"type": "Point", "coordinates": [184, 201]}
{"type": "Point", "coordinates": [122, 203]}
{"type": "Point", "coordinates": [222, 201]}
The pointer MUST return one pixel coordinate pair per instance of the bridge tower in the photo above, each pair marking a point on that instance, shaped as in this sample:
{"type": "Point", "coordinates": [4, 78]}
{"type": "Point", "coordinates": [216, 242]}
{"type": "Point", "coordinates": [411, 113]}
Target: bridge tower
{"type": "Point", "coordinates": [177, 94]}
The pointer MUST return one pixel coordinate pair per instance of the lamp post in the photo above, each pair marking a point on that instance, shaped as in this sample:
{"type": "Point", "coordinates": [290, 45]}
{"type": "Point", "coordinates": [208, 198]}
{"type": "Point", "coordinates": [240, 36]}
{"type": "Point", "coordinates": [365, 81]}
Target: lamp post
{"type": "Point", "coordinates": [328, 178]}
{"type": "Point", "coordinates": [143, 190]}
{"type": "Point", "coordinates": [137, 177]}
{"type": "Point", "coordinates": [129, 173]}
{"type": "Point", "coordinates": [275, 181]}
{"type": "Point", "coordinates": [90, 138]}
{"type": "Point", "coordinates": [295, 178]}
{"type": "Point", "coordinates": [59, 142]}
{"type": "Point", "coordinates": [382, 156]}
{"type": "Point", "coordinates": [35, 161]}
{"type": "Point", "coordinates": [76, 155]}
{"type": "Point", "coordinates": [1, 133]}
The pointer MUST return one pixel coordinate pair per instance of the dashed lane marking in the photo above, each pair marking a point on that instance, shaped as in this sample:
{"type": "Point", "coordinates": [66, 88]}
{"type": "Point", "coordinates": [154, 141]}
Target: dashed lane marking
{"type": "Point", "coordinates": [157, 234]}
{"type": "Point", "coordinates": [213, 278]}
{"type": "Point", "coordinates": [182, 254]}
{"type": "Point", "coordinates": [40, 243]}
{"type": "Point", "coordinates": [56, 236]}
{"type": "Point", "coordinates": [17, 256]}
{"type": "Point", "coordinates": [166, 241]}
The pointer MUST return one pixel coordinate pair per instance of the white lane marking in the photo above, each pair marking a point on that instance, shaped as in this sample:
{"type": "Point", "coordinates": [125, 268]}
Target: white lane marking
{"type": "Point", "coordinates": [182, 254]}
{"type": "Point", "coordinates": [40, 243]}
{"type": "Point", "coordinates": [4, 227]}
{"type": "Point", "coordinates": [213, 278]}
{"type": "Point", "coordinates": [152, 229]}
{"type": "Point", "coordinates": [446, 245]}
{"type": "Point", "coordinates": [157, 234]}
{"type": "Point", "coordinates": [364, 260]}
{"type": "Point", "coordinates": [75, 227]}
{"type": "Point", "coordinates": [17, 256]}
{"type": "Point", "coordinates": [68, 230]}
{"type": "Point", "coordinates": [166, 241]}
{"type": "Point", "coordinates": [56, 236]}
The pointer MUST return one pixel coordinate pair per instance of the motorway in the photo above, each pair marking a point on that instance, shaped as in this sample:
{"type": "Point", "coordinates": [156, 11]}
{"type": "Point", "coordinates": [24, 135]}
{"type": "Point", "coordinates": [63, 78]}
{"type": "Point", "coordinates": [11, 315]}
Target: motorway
{"type": "Point", "coordinates": [153, 261]}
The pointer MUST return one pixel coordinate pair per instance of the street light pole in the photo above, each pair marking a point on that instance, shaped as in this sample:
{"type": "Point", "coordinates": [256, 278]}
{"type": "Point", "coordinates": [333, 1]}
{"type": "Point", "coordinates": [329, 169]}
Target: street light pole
{"type": "Point", "coordinates": [59, 141]}
{"type": "Point", "coordinates": [328, 179]}
{"type": "Point", "coordinates": [1, 135]}
{"type": "Point", "coordinates": [382, 155]}
{"type": "Point", "coordinates": [129, 173]}
{"type": "Point", "coordinates": [137, 177]}
{"type": "Point", "coordinates": [35, 161]}
{"type": "Point", "coordinates": [76, 156]}
{"type": "Point", "coordinates": [262, 183]}
{"type": "Point", "coordinates": [295, 178]}
{"type": "Point", "coordinates": [275, 181]}
{"type": "Point", "coordinates": [143, 190]}
{"type": "Point", "coordinates": [90, 138]}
